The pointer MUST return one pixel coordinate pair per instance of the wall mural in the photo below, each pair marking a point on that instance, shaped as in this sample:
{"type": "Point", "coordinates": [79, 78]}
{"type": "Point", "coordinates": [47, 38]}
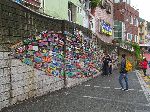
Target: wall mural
{"type": "Point", "coordinates": [81, 55]}
{"type": "Point", "coordinates": [46, 52]}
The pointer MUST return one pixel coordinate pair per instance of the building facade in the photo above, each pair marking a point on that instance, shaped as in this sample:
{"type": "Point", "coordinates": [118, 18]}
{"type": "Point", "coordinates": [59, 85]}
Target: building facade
{"type": "Point", "coordinates": [148, 31]}
{"type": "Point", "coordinates": [125, 22]}
{"type": "Point", "coordinates": [118, 1]}
{"type": "Point", "coordinates": [143, 31]}
{"type": "Point", "coordinates": [72, 10]}
{"type": "Point", "coordinates": [103, 20]}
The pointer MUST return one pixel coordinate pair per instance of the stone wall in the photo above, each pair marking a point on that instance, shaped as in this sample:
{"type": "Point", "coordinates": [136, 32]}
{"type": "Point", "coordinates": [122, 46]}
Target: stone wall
{"type": "Point", "coordinates": [19, 81]}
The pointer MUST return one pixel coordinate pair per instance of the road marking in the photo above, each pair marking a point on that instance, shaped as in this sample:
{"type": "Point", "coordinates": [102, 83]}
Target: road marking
{"type": "Point", "coordinates": [109, 88]}
{"type": "Point", "coordinates": [119, 101]}
{"type": "Point", "coordinates": [140, 90]}
{"type": "Point", "coordinates": [117, 88]}
{"type": "Point", "coordinates": [128, 89]}
{"type": "Point", "coordinates": [131, 89]}
{"type": "Point", "coordinates": [106, 87]}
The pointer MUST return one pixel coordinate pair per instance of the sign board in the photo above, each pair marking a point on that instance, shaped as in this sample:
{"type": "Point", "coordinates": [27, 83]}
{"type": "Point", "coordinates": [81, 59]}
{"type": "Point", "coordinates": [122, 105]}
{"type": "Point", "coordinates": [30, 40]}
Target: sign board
{"type": "Point", "coordinates": [105, 28]}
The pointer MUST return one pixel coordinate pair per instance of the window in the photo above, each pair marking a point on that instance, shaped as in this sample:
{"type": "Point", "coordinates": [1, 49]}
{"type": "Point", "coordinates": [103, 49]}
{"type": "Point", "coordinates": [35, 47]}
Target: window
{"type": "Point", "coordinates": [136, 38]}
{"type": "Point", "coordinates": [72, 12]}
{"type": "Point", "coordinates": [87, 4]}
{"type": "Point", "coordinates": [78, 9]}
{"type": "Point", "coordinates": [117, 34]}
{"type": "Point", "coordinates": [141, 38]}
{"type": "Point", "coordinates": [116, 1]}
{"type": "Point", "coordinates": [100, 25]}
{"type": "Point", "coordinates": [117, 29]}
{"type": "Point", "coordinates": [135, 22]}
{"type": "Point", "coordinates": [91, 24]}
{"type": "Point", "coordinates": [129, 36]}
{"type": "Point", "coordinates": [140, 29]}
{"type": "Point", "coordinates": [69, 15]}
{"type": "Point", "coordinates": [127, 1]}
{"type": "Point", "coordinates": [131, 20]}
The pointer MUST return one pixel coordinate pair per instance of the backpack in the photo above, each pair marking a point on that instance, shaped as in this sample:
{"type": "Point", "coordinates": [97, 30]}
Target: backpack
{"type": "Point", "coordinates": [128, 66]}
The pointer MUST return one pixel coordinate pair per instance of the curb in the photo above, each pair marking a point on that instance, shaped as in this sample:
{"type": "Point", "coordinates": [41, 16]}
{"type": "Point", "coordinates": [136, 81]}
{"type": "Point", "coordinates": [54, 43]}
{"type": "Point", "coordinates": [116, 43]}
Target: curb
{"type": "Point", "coordinates": [144, 86]}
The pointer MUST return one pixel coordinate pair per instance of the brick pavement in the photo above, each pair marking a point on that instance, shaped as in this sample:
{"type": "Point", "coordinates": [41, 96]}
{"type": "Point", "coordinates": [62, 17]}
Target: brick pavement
{"type": "Point", "coordinates": [100, 94]}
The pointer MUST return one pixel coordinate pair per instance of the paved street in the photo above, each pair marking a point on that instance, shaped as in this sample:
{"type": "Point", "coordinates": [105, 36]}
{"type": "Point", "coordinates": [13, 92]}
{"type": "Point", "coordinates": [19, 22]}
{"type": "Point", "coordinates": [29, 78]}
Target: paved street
{"type": "Point", "coordinates": [101, 94]}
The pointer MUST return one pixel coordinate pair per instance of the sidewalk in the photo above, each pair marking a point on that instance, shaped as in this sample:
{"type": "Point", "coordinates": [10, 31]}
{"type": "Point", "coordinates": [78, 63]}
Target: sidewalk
{"type": "Point", "coordinates": [147, 78]}
{"type": "Point", "coordinates": [100, 94]}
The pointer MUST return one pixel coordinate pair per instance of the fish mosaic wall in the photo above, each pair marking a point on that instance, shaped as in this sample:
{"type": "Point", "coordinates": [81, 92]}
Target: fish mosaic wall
{"type": "Point", "coordinates": [81, 55]}
{"type": "Point", "coordinates": [58, 54]}
{"type": "Point", "coordinates": [44, 52]}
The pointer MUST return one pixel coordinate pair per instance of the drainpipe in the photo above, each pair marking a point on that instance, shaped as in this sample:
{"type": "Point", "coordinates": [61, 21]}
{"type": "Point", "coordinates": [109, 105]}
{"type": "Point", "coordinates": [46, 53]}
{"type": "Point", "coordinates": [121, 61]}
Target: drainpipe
{"type": "Point", "coordinates": [43, 5]}
{"type": "Point", "coordinates": [64, 53]}
{"type": "Point", "coordinates": [10, 76]}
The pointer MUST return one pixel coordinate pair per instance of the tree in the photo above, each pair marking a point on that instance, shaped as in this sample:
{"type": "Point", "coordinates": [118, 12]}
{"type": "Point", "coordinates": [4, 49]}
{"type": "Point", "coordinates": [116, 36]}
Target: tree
{"type": "Point", "coordinates": [94, 3]}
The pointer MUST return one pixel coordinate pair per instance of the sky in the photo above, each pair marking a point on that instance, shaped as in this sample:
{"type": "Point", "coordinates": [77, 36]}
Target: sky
{"type": "Point", "coordinates": [144, 8]}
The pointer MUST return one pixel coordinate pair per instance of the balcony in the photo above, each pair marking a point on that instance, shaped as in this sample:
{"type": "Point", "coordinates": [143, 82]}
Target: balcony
{"type": "Point", "coordinates": [141, 42]}
{"type": "Point", "coordinates": [141, 33]}
{"type": "Point", "coordinates": [141, 24]}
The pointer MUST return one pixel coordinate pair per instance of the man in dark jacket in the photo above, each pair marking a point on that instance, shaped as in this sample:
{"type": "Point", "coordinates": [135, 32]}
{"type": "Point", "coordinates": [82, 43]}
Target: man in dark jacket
{"type": "Point", "coordinates": [123, 73]}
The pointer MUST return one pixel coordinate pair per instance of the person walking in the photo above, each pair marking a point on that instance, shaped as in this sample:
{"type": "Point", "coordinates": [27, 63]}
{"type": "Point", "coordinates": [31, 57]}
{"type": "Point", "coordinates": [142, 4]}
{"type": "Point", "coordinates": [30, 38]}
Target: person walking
{"type": "Point", "coordinates": [123, 73]}
{"type": "Point", "coordinates": [144, 65]}
{"type": "Point", "coordinates": [109, 64]}
{"type": "Point", "coordinates": [105, 67]}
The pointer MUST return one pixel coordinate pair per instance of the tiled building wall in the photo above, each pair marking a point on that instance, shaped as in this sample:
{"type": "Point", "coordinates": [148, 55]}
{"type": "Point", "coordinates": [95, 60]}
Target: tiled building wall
{"type": "Point", "coordinates": [101, 14]}
{"type": "Point", "coordinates": [122, 13]}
